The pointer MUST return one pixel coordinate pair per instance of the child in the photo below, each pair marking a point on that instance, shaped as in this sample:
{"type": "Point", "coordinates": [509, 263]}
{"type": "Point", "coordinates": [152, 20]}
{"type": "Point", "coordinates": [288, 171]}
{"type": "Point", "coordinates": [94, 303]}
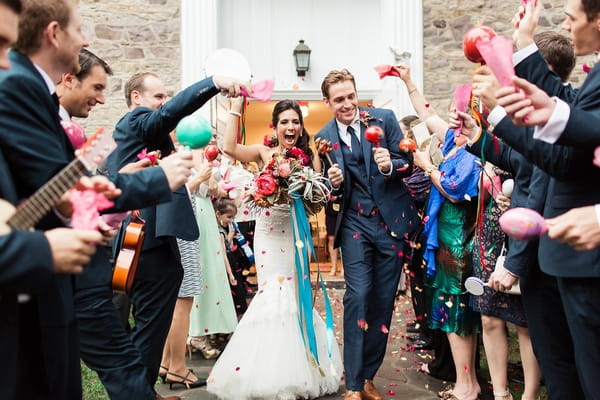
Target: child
{"type": "Point", "coordinates": [225, 210]}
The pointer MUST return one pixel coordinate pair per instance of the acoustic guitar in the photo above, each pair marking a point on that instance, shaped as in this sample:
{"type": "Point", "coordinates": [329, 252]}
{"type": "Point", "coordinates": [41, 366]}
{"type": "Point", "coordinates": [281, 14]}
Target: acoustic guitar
{"type": "Point", "coordinates": [91, 154]}
{"type": "Point", "coordinates": [129, 255]}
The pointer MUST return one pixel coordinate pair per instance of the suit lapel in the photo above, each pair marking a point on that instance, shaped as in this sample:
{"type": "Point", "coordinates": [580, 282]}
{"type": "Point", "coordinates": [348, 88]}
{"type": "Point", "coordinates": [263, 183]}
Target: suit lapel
{"type": "Point", "coordinates": [336, 144]}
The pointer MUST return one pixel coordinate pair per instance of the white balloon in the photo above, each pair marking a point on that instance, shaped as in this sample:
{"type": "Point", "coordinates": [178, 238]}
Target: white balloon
{"type": "Point", "coordinates": [507, 187]}
{"type": "Point", "coordinates": [228, 62]}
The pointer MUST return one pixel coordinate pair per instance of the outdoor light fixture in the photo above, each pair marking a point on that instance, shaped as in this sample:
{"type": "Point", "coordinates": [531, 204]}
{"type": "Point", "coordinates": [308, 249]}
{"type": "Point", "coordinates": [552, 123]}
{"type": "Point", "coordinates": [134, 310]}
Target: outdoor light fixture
{"type": "Point", "coordinates": [302, 58]}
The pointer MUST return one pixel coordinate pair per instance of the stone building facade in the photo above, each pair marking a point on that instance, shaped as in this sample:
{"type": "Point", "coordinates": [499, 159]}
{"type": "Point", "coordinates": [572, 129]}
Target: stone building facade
{"type": "Point", "coordinates": [138, 35]}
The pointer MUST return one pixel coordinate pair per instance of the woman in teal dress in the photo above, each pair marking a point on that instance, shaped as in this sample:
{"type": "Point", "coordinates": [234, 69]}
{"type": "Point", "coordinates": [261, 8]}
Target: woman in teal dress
{"type": "Point", "coordinates": [450, 226]}
{"type": "Point", "coordinates": [213, 310]}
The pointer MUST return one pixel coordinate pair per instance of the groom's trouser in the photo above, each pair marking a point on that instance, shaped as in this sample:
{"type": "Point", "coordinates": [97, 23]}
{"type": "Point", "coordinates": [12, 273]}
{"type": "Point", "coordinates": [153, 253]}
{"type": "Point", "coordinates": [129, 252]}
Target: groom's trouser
{"type": "Point", "coordinates": [372, 261]}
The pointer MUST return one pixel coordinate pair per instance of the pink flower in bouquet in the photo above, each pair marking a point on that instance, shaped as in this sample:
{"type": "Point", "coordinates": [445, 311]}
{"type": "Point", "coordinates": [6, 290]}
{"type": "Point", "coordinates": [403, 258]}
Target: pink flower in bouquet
{"type": "Point", "coordinates": [284, 169]}
{"type": "Point", "coordinates": [265, 185]}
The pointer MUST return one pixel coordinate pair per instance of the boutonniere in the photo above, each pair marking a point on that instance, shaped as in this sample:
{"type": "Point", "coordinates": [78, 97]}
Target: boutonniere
{"type": "Point", "coordinates": [587, 67]}
{"type": "Point", "coordinates": [364, 117]}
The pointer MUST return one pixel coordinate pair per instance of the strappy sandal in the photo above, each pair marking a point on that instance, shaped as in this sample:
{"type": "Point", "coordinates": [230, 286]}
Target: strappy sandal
{"type": "Point", "coordinates": [502, 395]}
{"type": "Point", "coordinates": [185, 381]}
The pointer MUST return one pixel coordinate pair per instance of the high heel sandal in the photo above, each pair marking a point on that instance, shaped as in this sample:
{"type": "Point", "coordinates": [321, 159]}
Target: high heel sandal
{"type": "Point", "coordinates": [185, 381]}
{"type": "Point", "coordinates": [163, 377]}
{"type": "Point", "coordinates": [502, 395]}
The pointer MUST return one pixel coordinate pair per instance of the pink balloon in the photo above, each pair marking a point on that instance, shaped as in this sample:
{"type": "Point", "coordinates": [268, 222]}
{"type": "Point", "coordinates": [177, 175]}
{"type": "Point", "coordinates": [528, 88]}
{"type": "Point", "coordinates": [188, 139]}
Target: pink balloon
{"type": "Point", "coordinates": [523, 224]}
{"type": "Point", "coordinates": [75, 132]}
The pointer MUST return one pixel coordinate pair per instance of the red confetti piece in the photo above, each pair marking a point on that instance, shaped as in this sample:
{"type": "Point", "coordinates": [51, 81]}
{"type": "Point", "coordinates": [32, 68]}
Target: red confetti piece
{"type": "Point", "coordinates": [427, 105]}
{"type": "Point", "coordinates": [237, 368]}
{"type": "Point", "coordinates": [356, 235]}
{"type": "Point", "coordinates": [384, 329]}
{"type": "Point", "coordinates": [391, 392]}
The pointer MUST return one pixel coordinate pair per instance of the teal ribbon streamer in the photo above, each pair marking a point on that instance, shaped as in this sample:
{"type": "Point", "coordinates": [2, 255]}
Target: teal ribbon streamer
{"type": "Point", "coordinates": [301, 234]}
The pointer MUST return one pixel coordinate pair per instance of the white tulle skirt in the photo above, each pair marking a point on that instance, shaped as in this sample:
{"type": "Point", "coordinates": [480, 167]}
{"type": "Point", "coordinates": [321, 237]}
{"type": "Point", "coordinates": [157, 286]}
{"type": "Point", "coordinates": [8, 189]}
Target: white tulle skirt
{"type": "Point", "coordinates": [266, 357]}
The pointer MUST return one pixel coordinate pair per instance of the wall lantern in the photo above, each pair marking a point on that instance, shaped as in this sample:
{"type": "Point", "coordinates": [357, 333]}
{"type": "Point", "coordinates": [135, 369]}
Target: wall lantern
{"type": "Point", "coordinates": [302, 58]}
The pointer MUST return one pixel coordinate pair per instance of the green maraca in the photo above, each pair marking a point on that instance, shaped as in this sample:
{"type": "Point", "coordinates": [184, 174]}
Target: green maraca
{"type": "Point", "coordinates": [194, 131]}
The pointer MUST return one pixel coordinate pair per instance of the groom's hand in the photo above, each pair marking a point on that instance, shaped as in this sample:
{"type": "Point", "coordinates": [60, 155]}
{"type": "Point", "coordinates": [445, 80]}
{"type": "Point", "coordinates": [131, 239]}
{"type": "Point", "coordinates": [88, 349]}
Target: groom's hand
{"type": "Point", "coordinates": [335, 176]}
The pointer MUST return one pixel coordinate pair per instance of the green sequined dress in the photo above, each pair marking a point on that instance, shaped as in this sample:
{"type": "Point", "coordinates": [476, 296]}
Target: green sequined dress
{"type": "Point", "coordinates": [450, 309]}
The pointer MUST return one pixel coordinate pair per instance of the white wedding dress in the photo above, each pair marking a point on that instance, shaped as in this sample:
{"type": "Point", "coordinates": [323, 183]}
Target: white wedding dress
{"type": "Point", "coordinates": [266, 357]}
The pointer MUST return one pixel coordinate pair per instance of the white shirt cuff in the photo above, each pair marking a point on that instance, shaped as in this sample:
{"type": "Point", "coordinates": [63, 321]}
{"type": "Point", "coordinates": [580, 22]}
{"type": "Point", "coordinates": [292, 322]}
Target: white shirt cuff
{"type": "Point", "coordinates": [65, 220]}
{"type": "Point", "coordinates": [525, 52]}
{"type": "Point", "coordinates": [597, 207]}
{"type": "Point", "coordinates": [496, 115]}
{"type": "Point", "coordinates": [551, 131]}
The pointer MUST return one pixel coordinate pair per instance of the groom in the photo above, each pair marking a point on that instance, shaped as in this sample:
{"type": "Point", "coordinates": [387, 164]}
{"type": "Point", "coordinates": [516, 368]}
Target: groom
{"type": "Point", "coordinates": [376, 216]}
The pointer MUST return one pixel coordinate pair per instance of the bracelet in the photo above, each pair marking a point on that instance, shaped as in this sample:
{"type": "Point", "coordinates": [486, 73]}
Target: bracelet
{"type": "Point", "coordinates": [412, 90]}
{"type": "Point", "coordinates": [237, 114]}
{"type": "Point", "coordinates": [429, 170]}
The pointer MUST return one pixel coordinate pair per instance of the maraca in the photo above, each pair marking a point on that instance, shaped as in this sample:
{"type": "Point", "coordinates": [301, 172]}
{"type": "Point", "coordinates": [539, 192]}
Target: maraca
{"type": "Point", "coordinates": [523, 224]}
{"type": "Point", "coordinates": [75, 132]}
{"type": "Point", "coordinates": [194, 131]}
{"type": "Point", "coordinates": [211, 152]}
{"type": "Point", "coordinates": [470, 40]}
{"type": "Point", "coordinates": [374, 134]}
{"type": "Point", "coordinates": [407, 145]}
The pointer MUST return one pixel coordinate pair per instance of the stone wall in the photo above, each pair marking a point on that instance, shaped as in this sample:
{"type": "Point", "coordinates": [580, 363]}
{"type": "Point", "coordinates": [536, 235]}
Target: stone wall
{"type": "Point", "coordinates": [445, 23]}
{"type": "Point", "coordinates": [144, 35]}
{"type": "Point", "coordinates": [132, 36]}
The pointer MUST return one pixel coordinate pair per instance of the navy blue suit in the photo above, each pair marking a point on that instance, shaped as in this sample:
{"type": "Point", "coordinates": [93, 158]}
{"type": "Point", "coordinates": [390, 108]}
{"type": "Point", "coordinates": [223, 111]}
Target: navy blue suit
{"type": "Point", "coordinates": [25, 266]}
{"type": "Point", "coordinates": [540, 296]}
{"type": "Point", "coordinates": [371, 228]}
{"type": "Point", "coordinates": [159, 271]}
{"type": "Point", "coordinates": [36, 148]}
{"type": "Point", "coordinates": [573, 184]}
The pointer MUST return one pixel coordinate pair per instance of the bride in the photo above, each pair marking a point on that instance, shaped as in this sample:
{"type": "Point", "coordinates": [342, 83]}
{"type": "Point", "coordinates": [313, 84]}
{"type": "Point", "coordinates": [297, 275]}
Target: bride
{"type": "Point", "coordinates": [266, 357]}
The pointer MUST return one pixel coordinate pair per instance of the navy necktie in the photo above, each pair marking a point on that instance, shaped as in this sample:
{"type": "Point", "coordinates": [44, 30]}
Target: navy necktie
{"type": "Point", "coordinates": [354, 143]}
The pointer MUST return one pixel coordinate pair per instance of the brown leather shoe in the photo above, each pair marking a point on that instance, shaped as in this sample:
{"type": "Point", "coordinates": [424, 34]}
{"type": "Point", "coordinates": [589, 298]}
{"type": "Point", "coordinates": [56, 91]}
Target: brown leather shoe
{"type": "Point", "coordinates": [353, 395]}
{"type": "Point", "coordinates": [159, 397]}
{"type": "Point", "coordinates": [369, 392]}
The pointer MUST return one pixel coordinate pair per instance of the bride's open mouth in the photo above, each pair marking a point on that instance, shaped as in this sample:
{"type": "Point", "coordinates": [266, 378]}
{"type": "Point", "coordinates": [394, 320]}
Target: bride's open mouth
{"type": "Point", "coordinates": [289, 138]}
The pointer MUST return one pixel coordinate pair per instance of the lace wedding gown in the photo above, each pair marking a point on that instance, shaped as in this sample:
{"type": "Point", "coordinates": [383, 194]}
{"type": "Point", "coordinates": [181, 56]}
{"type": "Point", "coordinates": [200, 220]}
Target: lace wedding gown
{"type": "Point", "coordinates": [266, 357]}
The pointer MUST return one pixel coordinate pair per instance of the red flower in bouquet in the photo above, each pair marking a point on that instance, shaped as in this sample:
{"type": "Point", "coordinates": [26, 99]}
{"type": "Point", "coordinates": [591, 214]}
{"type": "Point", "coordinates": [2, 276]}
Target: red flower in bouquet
{"type": "Point", "coordinates": [270, 141]}
{"type": "Point", "coordinates": [265, 184]}
{"type": "Point", "coordinates": [297, 154]}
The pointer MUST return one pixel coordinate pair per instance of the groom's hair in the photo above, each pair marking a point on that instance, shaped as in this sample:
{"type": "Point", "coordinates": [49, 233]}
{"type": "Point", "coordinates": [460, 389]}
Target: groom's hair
{"type": "Point", "coordinates": [334, 77]}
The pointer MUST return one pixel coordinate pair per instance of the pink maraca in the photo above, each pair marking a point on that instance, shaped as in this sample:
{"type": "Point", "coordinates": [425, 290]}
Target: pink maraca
{"type": "Point", "coordinates": [523, 224]}
{"type": "Point", "coordinates": [74, 131]}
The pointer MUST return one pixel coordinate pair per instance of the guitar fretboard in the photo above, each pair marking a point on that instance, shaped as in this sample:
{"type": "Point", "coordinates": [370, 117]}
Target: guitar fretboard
{"type": "Point", "coordinates": [33, 210]}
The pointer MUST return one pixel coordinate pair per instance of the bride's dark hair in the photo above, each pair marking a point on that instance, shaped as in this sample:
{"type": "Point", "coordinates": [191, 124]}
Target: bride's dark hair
{"type": "Point", "coordinates": [304, 138]}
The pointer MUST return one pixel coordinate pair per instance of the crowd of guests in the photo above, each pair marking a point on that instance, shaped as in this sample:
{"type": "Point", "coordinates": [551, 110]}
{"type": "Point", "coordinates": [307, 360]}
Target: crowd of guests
{"type": "Point", "coordinates": [439, 206]}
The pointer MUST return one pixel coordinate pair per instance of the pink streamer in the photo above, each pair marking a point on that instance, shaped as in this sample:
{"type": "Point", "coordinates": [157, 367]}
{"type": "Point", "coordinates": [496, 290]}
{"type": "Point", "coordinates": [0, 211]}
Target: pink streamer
{"type": "Point", "coordinates": [87, 205]}
{"type": "Point", "coordinates": [462, 98]}
{"type": "Point", "coordinates": [386, 70]}
{"type": "Point", "coordinates": [497, 53]}
{"type": "Point", "coordinates": [262, 90]}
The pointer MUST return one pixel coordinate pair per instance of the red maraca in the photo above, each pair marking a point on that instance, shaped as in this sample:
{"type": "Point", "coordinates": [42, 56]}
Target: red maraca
{"type": "Point", "coordinates": [211, 152]}
{"type": "Point", "coordinates": [407, 145]}
{"type": "Point", "coordinates": [470, 40]}
{"type": "Point", "coordinates": [374, 134]}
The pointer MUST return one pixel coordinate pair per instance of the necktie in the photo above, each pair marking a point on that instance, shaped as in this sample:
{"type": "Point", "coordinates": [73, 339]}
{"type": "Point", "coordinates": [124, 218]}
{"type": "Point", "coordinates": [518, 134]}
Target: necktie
{"type": "Point", "coordinates": [354, 143]}
{"type": "Point", "coordinates": [55, 99]}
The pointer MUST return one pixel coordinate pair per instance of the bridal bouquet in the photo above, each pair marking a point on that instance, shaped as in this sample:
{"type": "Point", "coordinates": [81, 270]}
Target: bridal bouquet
{"type": "Point", "coordinates": [288, 177]}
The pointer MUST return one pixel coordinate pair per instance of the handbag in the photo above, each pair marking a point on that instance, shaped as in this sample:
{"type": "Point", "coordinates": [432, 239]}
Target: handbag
{"type": "Point", "coordinates": [515, 288]}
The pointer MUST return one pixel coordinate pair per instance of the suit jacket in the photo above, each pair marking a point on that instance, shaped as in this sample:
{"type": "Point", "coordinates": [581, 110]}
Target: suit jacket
{"type": "Point", "coordinates": [145, 128]}
{"type": "Point", "coordinates": [573, 180]}
{"type": "Point", "coordinates": [521, 254]}
{"type": "Point", "coordinates": [389, 192]}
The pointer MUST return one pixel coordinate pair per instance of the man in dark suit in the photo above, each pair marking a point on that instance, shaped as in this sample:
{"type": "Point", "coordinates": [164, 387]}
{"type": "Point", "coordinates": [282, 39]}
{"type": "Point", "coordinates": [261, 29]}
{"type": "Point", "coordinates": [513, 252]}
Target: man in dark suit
{"type": "Point", "coordinates": [376, 216]}
{"type": "Point", "coordinates": [572, 184]}
{"type": "Point", "coordinates": [105, 346]}
{"type": "Point", "coordinates": [28, 260]}
{"type": "Point", "coordinates": [147, 125]}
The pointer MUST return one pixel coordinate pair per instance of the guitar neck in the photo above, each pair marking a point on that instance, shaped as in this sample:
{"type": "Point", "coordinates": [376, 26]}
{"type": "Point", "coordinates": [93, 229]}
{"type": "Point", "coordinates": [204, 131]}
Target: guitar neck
{"type": "Point", "coordinates": [35, 207]}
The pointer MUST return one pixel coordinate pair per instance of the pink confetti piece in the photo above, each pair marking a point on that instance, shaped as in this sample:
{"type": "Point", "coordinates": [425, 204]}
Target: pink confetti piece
{"type": "Point", "coordinates": [87, 205]}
